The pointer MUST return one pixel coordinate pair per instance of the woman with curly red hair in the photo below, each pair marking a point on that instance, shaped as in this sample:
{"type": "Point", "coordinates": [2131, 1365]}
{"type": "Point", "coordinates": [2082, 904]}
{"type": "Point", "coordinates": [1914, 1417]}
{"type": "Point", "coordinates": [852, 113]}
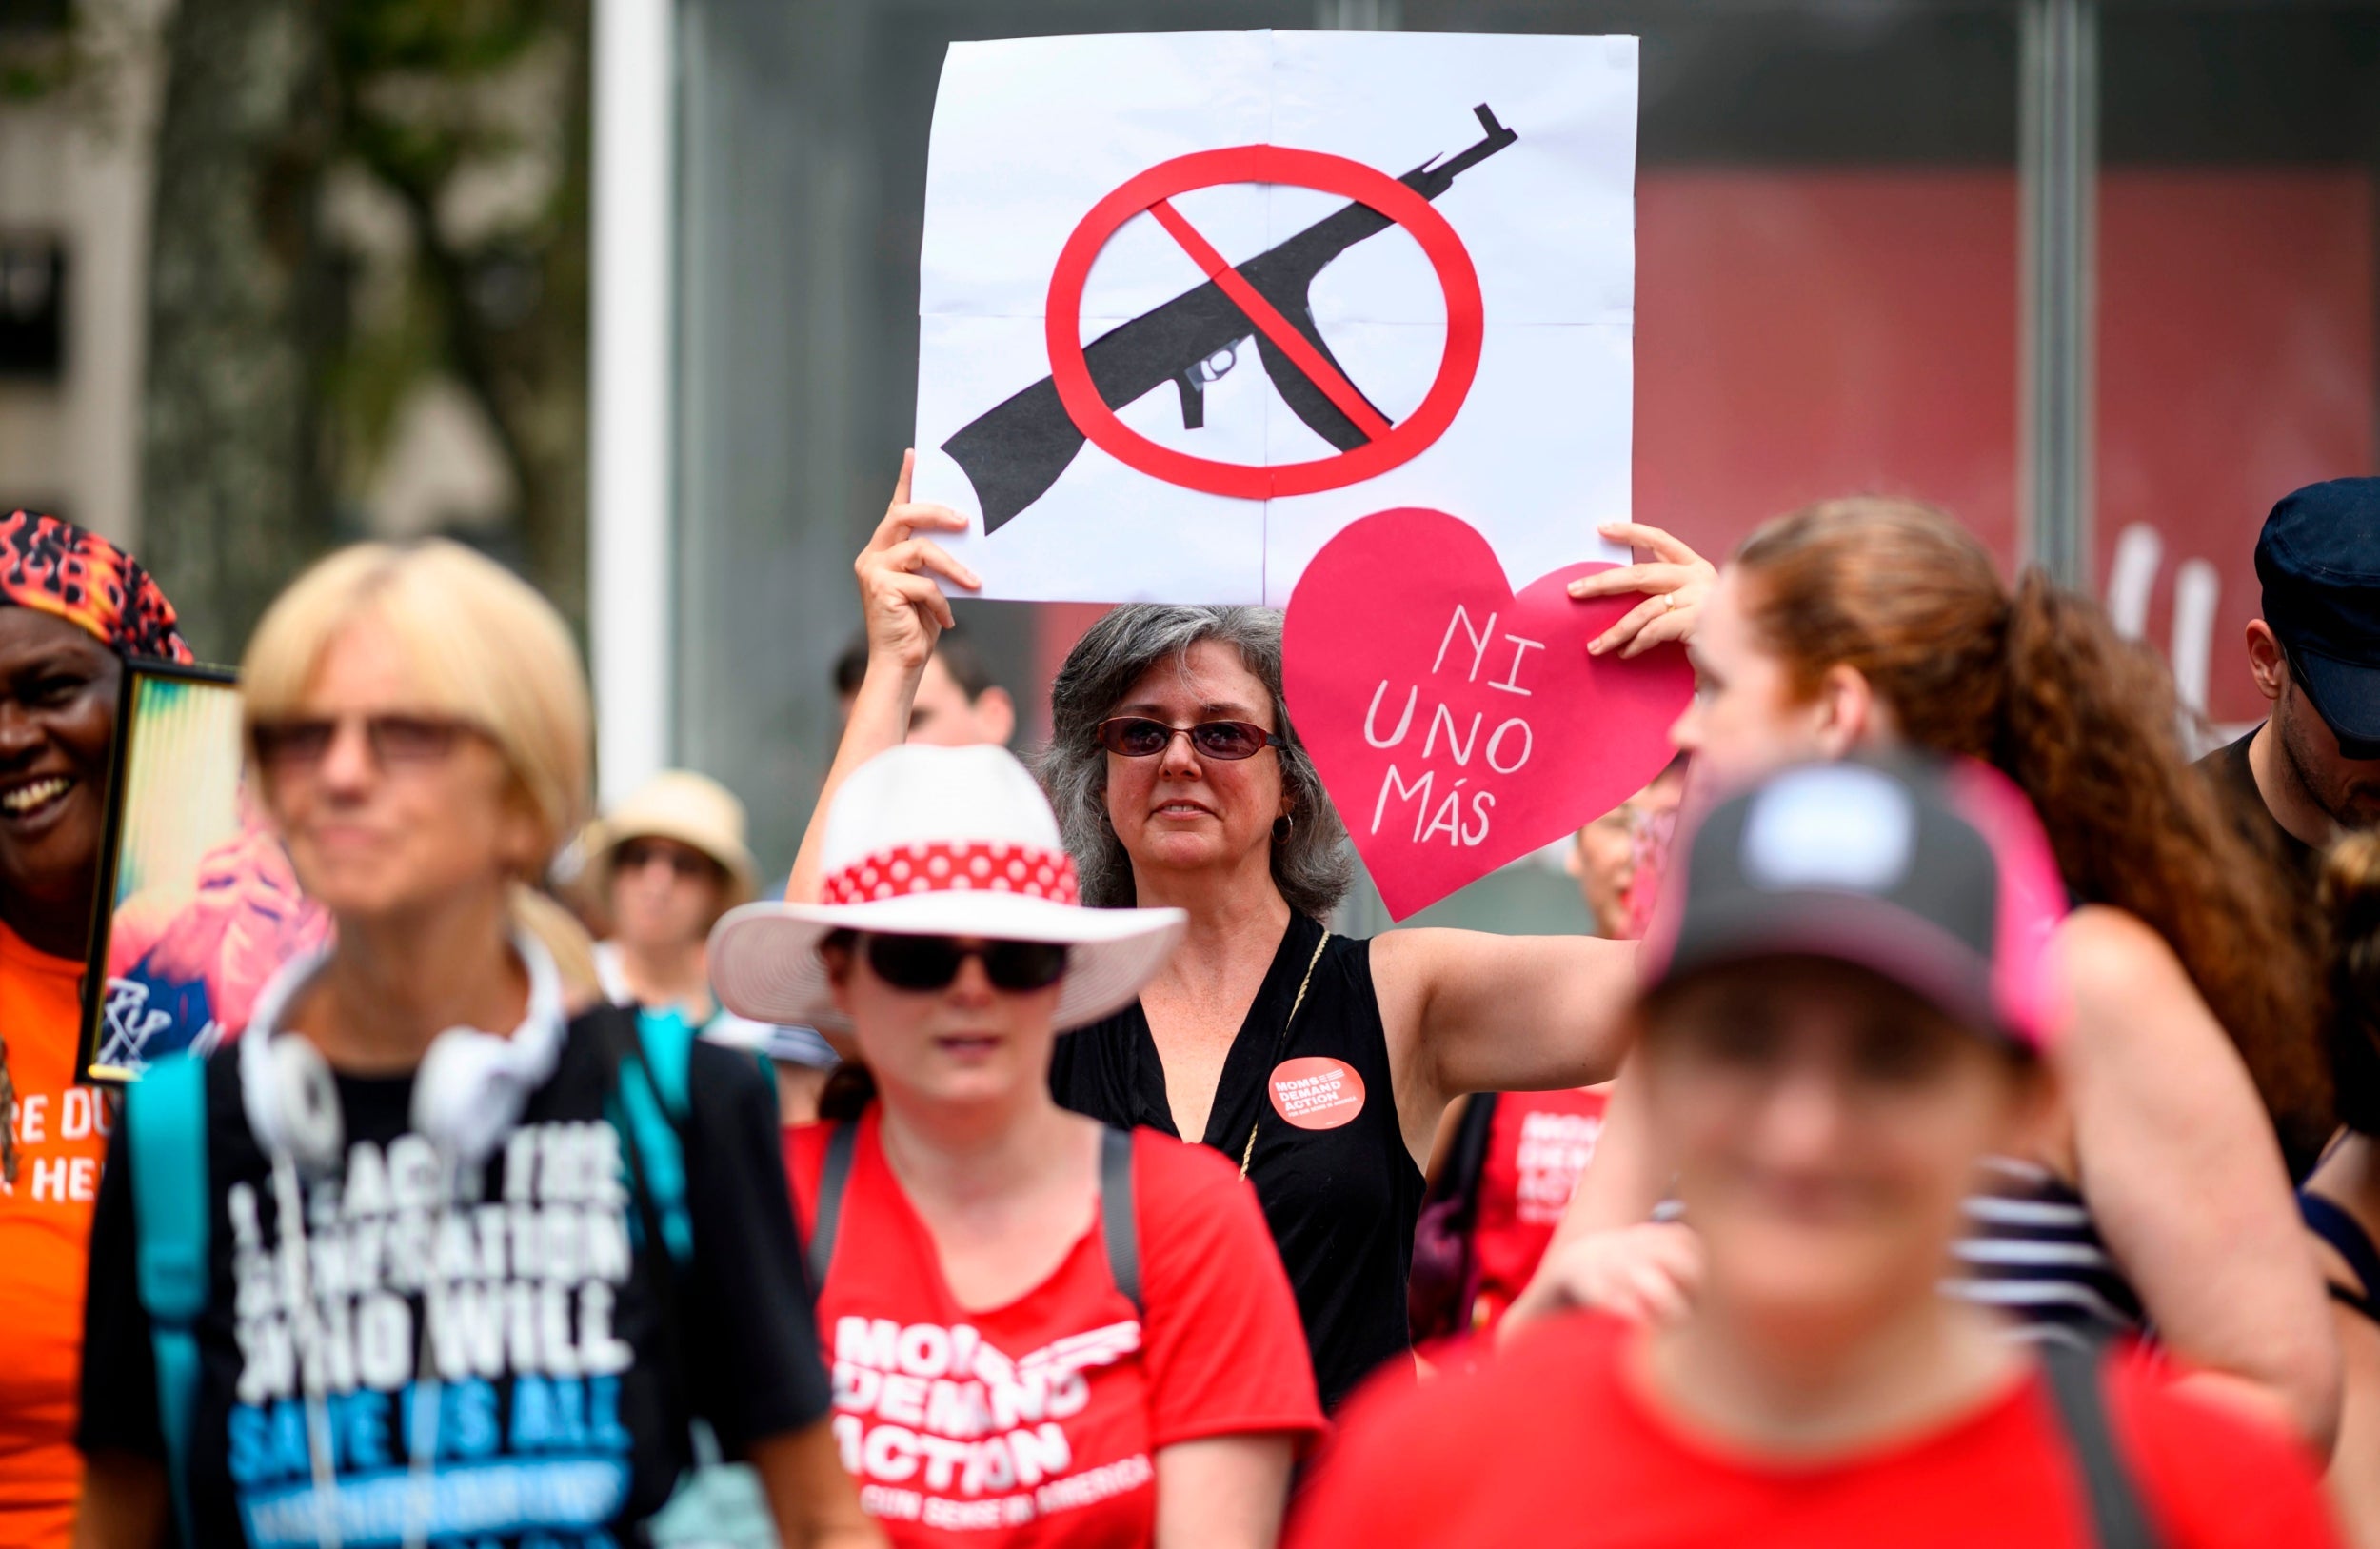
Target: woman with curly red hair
{"type": "Point", "coordinates": [2158, 1196]}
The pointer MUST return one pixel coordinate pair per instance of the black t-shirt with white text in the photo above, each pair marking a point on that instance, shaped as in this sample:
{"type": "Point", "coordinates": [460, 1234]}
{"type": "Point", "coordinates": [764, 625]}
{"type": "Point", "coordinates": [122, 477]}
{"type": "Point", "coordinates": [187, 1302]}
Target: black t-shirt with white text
{"type": "Point", "coordinates": [510, 1342]}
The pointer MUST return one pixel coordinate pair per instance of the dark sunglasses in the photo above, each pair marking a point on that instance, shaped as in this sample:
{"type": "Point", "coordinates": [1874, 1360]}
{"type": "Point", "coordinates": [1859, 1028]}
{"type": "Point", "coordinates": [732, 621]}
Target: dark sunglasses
{"type": "Point", "coordinates": [689, 866]}
{"type": "Point", "coordinates": [930, 962]}
{"type": "Point", "coordinates": [1138, 737]}
{"type": "Point", "coordinates": [295, 745]}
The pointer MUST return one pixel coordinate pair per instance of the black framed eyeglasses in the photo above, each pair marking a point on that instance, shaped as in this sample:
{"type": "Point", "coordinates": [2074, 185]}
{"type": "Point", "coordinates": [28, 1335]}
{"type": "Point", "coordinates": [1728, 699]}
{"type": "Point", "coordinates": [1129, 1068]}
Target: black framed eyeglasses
{"type": "Point", "coordinates": [1138, 737]}
{"type": "Point", "coordinates": [930, 962]}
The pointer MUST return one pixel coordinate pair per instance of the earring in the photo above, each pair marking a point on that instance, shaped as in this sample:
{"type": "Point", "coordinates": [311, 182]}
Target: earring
{"type": "Point", "coordinates": [1284, 826]}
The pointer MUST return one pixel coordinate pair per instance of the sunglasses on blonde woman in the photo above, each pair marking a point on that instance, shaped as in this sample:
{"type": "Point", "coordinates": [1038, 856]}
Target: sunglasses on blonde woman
{"type": "Point", "coordinates": [1138, 737]}
{"type": "Point", "coordinates": [298, 745]}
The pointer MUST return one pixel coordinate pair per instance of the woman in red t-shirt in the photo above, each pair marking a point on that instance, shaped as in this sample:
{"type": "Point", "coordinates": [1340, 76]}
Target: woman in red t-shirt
{"type": "Point", "coordinates": [1847, 1011]}
{"type": "Point", "coordinates": [1042, 1332]}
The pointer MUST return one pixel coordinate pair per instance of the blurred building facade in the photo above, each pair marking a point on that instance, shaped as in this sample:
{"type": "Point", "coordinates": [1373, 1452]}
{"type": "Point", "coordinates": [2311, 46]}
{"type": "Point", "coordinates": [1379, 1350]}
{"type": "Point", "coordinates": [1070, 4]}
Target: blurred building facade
{"type": "Point", "coordinates": [74, 193]}
{"type": "Point", "coordinates": [275, 275]}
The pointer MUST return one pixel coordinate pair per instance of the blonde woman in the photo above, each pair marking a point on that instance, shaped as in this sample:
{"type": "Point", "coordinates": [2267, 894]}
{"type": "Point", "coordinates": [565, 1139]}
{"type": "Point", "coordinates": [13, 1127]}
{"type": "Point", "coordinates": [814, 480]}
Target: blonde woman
{"type": "Point", "coordinates": [434, 1314]}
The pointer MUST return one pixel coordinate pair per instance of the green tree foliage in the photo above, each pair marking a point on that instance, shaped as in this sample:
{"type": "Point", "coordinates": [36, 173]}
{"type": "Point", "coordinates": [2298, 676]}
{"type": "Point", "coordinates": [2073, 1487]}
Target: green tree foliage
{"type": "Point", "coordinates": [355, 197]}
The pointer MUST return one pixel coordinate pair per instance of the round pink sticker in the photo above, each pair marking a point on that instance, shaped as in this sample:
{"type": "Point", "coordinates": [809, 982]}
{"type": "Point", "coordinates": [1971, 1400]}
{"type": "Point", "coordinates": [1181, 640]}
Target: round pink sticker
{"type": "Point", "coordinates": [1317, 1092]}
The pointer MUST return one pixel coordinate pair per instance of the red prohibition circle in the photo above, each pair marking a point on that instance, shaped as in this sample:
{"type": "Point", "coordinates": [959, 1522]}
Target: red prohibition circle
{"type": "Point", "coordinates": [1457, 364]}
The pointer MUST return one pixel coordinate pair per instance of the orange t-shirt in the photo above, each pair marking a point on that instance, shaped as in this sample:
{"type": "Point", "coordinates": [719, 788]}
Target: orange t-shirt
{"type": "Point", "coordinates": [45, 1239]}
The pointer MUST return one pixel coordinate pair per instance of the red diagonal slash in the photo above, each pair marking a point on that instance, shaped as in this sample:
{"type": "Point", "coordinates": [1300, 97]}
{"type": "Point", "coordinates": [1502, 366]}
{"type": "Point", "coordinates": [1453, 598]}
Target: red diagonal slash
{"type": "Point", "coordinates": [1270, 322]}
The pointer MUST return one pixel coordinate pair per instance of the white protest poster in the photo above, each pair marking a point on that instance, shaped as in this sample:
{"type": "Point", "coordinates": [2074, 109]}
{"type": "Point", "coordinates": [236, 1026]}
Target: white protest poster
{"type": "Point", "coordinates": [1191, 303]}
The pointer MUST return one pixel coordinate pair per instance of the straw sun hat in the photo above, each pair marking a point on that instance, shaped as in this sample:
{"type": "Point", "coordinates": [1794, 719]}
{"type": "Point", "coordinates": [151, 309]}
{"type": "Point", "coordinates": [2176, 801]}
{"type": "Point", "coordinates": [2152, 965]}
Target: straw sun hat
{"type": "Point", "coordinates": [695, 810]}
{"type": "Point", "coordinates": [938, 841]}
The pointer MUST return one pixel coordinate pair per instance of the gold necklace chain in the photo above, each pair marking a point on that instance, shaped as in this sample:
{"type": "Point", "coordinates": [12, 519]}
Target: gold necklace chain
{"type": "Point", "coordinates": [1248, 1153]}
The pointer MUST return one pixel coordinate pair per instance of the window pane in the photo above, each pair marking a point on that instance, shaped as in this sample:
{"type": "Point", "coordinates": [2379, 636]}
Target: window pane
{"type": "Point", "coordinates": [2235, 316]}
{"type": "Point", "coordinates": [1826, 281]}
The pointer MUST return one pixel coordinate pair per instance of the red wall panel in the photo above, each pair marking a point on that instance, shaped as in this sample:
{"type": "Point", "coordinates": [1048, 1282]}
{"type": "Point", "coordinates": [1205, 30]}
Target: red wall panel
{"type": "Point", "coordinates": [2235, 364]}
{"type": "Point", "coordinates": [1801, 334]}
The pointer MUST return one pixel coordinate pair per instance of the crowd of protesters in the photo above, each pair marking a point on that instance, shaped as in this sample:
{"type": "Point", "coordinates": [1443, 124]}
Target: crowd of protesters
{"type": "Point", "coordinates": [1949, 1132]}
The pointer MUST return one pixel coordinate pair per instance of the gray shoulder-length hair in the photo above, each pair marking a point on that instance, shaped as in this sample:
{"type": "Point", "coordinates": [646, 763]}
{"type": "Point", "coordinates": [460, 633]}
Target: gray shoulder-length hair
{"type": "Point", "coordinates": [1312, 863]}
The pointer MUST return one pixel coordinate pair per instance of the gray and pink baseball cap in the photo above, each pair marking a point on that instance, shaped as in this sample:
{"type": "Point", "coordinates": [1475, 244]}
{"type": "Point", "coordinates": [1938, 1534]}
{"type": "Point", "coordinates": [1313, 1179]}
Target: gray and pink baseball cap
{"type": "Point", "coordinates": [1937, 876]}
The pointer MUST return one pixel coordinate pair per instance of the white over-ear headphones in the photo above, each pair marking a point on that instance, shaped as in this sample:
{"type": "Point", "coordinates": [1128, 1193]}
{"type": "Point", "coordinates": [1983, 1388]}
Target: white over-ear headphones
{"type": "Point", "coordinates": [468, 1091]}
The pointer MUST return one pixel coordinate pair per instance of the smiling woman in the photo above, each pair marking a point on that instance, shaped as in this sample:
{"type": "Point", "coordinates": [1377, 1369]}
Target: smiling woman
{"type": "Point", "coordinates": [71, 607]}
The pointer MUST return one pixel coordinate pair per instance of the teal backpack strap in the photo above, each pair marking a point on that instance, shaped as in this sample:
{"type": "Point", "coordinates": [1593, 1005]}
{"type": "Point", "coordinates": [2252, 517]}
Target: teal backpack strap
{"type": "Point", "coordinates": [833, 1178]}
{"type": "Point", "coordinates": [654, 1102]}
{"type": "Point", "coordinates": [1119, 1220]}
{"type": "Point", "coordinates": [165, 1117]}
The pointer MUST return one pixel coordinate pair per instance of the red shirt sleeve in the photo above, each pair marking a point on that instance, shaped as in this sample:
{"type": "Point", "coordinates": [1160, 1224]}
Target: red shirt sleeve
{"type": "Point", "coordinates": [2215, 1480]}
{"type": "Point", "coordinates": [1225, 1348]}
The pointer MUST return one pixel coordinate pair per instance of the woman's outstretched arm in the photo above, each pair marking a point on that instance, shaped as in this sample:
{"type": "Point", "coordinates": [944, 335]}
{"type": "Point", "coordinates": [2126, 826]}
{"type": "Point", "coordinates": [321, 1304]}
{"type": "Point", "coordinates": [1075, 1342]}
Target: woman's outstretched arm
{"type": "Point", "coordinates": [1467, 1011]}
{"type": "Point", "coordinates": [1222, 1492]}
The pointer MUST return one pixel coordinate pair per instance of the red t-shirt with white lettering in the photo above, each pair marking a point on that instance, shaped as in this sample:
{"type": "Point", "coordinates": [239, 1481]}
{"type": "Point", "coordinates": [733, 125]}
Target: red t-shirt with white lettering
{"type": "Point", "coordinates": [1037, 1424]}
{"type": "Point", "coordinates": [1539, 1144]}
{"type": "Point", "coordinates": [1553, 1444]}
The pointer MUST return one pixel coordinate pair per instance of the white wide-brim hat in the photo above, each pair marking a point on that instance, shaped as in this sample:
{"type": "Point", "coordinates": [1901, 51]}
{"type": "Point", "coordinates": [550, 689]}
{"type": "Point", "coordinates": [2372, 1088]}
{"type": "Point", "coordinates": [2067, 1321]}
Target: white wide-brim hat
{"type": "Point", "coordinates": [938, 841]}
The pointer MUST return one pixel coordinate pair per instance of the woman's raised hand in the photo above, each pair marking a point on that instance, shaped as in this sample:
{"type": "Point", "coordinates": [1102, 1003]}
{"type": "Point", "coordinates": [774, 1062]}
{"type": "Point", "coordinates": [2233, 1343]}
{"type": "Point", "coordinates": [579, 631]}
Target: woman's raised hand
{"type": "Point", "coordinates": [1674, 579]}
{"type": "Point", "coordinates": [1647, 1274]}
{"type": "Point", "coordinates": [905, 612]}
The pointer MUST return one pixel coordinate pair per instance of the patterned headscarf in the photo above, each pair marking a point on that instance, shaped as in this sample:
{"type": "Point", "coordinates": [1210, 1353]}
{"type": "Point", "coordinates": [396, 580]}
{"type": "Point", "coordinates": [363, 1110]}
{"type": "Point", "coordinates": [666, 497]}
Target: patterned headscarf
{"type": "Point", "coordinates": [54, 566]}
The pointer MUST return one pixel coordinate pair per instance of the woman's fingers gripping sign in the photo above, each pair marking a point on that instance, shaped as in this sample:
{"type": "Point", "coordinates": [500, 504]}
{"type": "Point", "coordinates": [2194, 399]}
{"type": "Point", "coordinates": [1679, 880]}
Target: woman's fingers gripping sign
{"type": "Point", "coordinates": [899, 598]}
{"type": "Point", "coordinates": [1675, 580]}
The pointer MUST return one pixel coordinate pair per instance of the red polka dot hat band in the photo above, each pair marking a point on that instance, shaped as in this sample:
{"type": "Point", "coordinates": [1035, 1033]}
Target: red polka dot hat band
{"type": "Point", "coordinates": [948, 866]}
{"type": "Point", "coordinates": [938, 841]}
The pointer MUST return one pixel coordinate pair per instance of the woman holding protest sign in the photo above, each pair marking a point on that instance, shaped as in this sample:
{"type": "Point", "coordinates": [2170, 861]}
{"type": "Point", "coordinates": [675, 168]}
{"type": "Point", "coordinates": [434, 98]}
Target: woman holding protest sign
{"type": "Point", "coordinates": [1318, 1065]}
{"type": "Point", "coordinates": [2160, 1199]}
{"type": "Point", "coordinates": [1845, 1015]}
{"type": "Point", "coordinates": [73, 606]}
{"type": "Point", "coordinates": [369, 1272]}
{"type": "Point", "coordinates": [1045, 1331]}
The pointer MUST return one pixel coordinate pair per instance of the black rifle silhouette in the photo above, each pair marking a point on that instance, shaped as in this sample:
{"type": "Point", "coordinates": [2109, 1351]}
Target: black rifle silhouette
{"type": "Point", "coordinates": [1012, 453]}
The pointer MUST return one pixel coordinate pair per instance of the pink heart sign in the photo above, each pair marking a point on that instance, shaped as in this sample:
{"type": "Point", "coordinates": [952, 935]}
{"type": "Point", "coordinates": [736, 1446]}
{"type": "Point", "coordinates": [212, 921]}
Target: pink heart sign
{"type": "Point", "coordinates": [1458, 725]}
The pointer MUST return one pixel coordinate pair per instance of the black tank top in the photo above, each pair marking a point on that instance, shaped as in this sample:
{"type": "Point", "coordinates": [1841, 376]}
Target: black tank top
{"type": "Point", "coordinates": [1340, 1201]}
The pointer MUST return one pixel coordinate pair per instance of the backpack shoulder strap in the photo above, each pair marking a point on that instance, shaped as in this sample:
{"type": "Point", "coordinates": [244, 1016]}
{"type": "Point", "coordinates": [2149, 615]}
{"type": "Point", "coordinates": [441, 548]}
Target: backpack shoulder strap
{"type": "Point", "coordinates": [651, 1077]}
{"type": "Point", "coordinates": [1466, 1160]}
{"type": "Point", "coordinates": [1118, 1218]}
{"type": "Point", "coordinates": [842, 1142]}
{"type": "Point", "coordinates": [2077, 1382]}
{"type": "Point", "coordinates": [2345, 1233]}
{"type": "Point", "coordinates": [665, 1039]}
{"type": "Point", "coordinates": [165, 1117]}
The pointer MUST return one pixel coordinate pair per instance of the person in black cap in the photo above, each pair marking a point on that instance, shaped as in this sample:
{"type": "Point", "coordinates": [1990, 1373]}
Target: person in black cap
{"type": "Point", "coordinates": [1847, 1009]}
{"type": "Point", "coordinates": [2313, 766]}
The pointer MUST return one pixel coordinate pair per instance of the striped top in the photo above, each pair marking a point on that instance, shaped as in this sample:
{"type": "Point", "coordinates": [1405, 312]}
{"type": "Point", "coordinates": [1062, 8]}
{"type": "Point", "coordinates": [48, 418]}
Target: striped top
{"type": "Point", "coordinates": [2031, 1251]}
